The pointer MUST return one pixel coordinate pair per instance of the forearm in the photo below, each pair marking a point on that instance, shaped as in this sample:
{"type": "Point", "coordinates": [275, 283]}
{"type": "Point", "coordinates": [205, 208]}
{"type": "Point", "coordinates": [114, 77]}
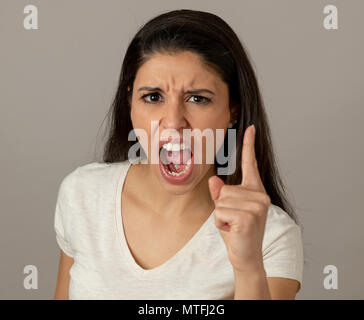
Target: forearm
{"type": "Point", "coordinates": [251, 285]}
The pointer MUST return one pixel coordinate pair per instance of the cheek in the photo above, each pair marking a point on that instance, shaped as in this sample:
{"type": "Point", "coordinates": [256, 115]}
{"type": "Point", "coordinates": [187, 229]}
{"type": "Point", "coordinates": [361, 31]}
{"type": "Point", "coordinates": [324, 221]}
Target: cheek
{"type": "Point", "coordinates": [139, 118]}
{"type": "Point", "coordinates": [218, 117]}
{"type": "Point", "coordinates": [218, 125]}
{"type": "Point", "coordinates": [141, 125]}
{"type": "Point", "coordinates": [135, 114]}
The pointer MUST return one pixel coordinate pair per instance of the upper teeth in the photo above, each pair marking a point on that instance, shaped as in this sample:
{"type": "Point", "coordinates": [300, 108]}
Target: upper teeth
{"type": "Point", "coordinates": [173, 146]}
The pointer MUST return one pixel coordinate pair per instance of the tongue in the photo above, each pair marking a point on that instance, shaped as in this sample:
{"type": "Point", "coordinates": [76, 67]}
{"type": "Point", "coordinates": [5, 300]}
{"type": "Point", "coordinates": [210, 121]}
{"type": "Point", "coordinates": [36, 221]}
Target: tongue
{"type": "Point", "coordinates": [174, 159]}
{"type": "Point", "coordinates": [176, 167]}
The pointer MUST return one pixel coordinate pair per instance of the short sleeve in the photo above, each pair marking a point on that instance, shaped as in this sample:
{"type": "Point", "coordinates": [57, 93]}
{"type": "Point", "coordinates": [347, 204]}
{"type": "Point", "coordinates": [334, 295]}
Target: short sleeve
{"type": "Point", "coordinates": [282, 246]}
{"type": "Point", "coordinates": [63, 215]}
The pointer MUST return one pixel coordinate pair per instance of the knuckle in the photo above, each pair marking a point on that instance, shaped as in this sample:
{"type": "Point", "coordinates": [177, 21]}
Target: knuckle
{"type": "Point", "coordinates": [219, 203]}
{"type": "Point", "coordinates": [217, 216]}
{"type": "Point", "coordinates": [266, 200]}
{"type": "Point", "coordinates": [260, 208]}
{"type": "Point", "coordinates": [223, 201]}
{"type": "Point", "coordinates": [223, 191]}
{"type": "Point", "coordinates": [218, 211]}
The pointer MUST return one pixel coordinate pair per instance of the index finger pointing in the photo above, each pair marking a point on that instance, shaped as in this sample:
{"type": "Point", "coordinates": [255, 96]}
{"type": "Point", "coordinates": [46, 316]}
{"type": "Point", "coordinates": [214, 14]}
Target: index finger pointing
{"type": "Point", "coordinates": [249, 165]}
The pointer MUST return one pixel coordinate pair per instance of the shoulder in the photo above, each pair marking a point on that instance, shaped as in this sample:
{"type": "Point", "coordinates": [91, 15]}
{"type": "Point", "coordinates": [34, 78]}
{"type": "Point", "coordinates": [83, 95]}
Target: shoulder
{"type": "Point", "coordinates": [279, 225]}
{"type": "Point", "coordinates": [91, 177]}
{"type": "Point", "coordinates": [282, 246]}
{"type": "Point", "coordinates": [277, 215]}
{"type": "Point", "coordinates": [96, 169]}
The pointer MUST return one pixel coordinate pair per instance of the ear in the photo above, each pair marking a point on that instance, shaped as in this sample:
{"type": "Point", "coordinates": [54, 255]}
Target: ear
{"type": "Point", "coordinates": [234, 111]}
{"type": "Point", "coordinates": [128, 97]}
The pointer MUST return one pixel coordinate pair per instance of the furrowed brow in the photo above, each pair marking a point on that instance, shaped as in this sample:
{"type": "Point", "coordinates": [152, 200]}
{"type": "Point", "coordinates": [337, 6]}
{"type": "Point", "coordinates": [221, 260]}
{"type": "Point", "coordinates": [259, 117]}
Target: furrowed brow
{"type": "Point", "coordinates": [196, 91]}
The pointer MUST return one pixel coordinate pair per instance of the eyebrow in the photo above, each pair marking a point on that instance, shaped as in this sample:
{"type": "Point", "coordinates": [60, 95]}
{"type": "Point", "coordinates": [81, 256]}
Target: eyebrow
{"type": "Point", "coordinates": [196, 91]}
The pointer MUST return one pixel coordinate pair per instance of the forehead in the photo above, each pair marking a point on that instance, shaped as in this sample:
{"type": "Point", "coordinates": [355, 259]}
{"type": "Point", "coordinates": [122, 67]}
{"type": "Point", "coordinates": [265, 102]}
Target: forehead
{"type": "Point", "coordinates": [181, 69]}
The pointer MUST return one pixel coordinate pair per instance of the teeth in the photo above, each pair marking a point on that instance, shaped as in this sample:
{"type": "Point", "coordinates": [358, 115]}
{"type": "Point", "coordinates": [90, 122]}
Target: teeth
{"type": "Point", "coordinates": [182, 172]}
{"type": "Point", "coordinates": [174, 146]}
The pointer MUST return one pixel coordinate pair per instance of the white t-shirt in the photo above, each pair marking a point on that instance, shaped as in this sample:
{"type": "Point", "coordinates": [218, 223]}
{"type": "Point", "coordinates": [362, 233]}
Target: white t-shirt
{"type": "Point", "coordinates": [88, 225]}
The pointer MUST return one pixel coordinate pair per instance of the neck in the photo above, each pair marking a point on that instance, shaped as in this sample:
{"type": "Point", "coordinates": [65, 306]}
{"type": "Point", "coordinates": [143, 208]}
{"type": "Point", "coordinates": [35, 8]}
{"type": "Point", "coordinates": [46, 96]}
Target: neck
{"type": "Point", "coordinates": [171, 206]}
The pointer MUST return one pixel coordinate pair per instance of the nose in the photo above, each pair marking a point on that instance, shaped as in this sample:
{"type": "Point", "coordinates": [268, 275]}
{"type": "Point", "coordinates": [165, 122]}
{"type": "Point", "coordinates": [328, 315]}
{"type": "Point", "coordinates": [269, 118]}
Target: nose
{"type": "Point", "coordinates": [173, 117]}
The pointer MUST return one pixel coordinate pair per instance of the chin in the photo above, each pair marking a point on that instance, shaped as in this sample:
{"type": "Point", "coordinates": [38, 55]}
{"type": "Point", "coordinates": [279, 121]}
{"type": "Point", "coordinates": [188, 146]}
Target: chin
{"type": "Point", "coordinates": [179, 186]}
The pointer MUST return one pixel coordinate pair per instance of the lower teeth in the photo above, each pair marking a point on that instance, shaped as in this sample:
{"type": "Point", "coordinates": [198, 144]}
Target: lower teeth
{"type": "Point", "coordinates": [177, 174]}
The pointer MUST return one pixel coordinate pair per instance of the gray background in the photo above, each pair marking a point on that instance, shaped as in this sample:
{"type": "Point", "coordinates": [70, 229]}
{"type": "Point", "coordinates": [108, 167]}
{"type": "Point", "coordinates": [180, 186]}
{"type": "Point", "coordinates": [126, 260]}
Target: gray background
{"type": "Point", "coordinates": [57, 83]}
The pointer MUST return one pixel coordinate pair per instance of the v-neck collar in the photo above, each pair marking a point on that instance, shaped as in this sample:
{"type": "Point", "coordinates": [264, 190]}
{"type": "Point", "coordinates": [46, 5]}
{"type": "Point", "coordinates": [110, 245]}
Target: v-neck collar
{"type": "Point", "coordinates": [137, 269]}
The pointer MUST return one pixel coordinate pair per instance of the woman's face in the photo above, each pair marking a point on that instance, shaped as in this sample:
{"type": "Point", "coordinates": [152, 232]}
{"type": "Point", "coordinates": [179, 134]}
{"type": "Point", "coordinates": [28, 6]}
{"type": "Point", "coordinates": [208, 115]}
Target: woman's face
{"type": "Point", "coordinates": [174, 109]}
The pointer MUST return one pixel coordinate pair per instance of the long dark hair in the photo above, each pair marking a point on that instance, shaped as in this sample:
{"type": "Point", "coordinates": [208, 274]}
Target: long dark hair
{"type": "Point", "coordinates": [216, 43]}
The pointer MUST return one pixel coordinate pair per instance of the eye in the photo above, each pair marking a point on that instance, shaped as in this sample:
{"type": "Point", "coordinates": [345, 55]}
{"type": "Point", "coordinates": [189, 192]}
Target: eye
{"type": "Point", "coordinates": [204, 99]}
{"type": "Point", "coordinates": [154, 94]}
{"type": "Point", "coordinates": [154, 98]}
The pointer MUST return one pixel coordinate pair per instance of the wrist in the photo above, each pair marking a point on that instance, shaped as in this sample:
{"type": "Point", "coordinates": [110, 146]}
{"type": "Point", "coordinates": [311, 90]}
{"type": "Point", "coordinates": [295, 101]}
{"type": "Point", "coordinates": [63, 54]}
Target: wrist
{"type": "Point", "coordinates": [251, 283]}
{"type": "Point", "coordinates": [253, 270]}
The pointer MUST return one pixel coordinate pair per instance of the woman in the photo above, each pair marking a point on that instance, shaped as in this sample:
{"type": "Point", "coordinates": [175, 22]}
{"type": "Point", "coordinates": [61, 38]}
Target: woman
{"type": "Point", "coordinates": [132, 228]}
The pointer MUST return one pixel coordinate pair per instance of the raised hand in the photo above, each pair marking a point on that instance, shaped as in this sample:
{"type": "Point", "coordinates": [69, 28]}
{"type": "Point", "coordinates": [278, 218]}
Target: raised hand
{"type": "Point", "coordinates": [241, 211]}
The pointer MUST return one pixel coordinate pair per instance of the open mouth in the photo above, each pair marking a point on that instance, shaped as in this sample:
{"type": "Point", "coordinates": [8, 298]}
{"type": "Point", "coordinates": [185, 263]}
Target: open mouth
{"type": "Point", "coordinates": [176, 161]}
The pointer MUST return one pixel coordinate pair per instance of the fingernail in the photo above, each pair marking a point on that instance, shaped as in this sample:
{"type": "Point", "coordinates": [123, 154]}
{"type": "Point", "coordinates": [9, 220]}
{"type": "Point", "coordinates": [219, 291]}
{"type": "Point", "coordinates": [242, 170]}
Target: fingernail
{"type": "Point", "coordinates": [211, 179]}
{"type": "Point", "coordinates": [253, 129]}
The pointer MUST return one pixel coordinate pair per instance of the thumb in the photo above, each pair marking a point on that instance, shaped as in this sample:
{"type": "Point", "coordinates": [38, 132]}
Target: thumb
{"type": "Point", "coordinates": [215, 185]}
